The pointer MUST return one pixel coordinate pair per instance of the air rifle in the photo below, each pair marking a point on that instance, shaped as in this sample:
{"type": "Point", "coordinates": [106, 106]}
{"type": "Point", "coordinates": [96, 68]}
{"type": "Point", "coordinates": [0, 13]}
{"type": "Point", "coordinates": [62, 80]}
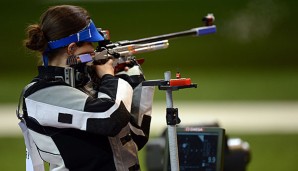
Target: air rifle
{"type": "Point", "coordinates": [125, 50]}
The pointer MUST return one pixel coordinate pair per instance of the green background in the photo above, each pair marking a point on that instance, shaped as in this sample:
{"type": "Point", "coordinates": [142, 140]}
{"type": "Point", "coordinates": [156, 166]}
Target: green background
{"type": "Point", "coordinates": [252, 57]}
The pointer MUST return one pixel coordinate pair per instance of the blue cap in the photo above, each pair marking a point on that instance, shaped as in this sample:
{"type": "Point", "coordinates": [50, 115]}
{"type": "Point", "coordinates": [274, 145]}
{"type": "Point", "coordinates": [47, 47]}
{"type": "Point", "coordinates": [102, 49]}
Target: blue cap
{"type": "Point", "coordinates": [88, 34]}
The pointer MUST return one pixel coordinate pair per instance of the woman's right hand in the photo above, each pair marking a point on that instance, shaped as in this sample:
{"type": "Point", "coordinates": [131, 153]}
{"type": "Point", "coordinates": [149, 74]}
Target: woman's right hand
{"type": "Point", "coordinates": [104, 69]}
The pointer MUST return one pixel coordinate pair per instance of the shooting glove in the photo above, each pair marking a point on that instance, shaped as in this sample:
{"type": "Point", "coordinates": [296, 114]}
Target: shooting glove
{"type": "Point", "coordinates": [134, 76]}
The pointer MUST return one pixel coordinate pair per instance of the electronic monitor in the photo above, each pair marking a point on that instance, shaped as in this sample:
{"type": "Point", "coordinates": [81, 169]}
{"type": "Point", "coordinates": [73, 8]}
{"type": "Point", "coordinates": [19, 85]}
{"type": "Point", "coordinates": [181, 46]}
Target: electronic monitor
{"type": "Point", "coordinates": [199, 149]}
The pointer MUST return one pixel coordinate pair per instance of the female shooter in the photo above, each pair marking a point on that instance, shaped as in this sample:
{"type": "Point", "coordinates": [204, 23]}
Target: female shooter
{"type": "Point", "coordinates": [74, 126]}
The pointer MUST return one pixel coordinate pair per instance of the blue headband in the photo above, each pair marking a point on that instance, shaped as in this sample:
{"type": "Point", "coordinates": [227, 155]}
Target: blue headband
{"type": "Point", "coordinates": [88, 34]}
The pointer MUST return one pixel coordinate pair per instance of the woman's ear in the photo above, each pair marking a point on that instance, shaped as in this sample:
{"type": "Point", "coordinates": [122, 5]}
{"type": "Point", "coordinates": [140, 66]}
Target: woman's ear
{"type": "Point", "coordinates": [71, 48]}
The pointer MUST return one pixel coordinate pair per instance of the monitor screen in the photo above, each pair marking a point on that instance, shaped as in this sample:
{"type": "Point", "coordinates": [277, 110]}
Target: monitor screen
{"type": "Point", "coordinates": [199, 149]}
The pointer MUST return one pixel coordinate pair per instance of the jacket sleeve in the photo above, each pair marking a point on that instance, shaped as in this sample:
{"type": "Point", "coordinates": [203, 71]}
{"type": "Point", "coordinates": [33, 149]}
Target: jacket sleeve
{"type": "Point", "coordinates": [141, 105]}
{"type": "Point", "coordinates": [63, 106]}
{"type": "Point", "coordinates": [141, 111]}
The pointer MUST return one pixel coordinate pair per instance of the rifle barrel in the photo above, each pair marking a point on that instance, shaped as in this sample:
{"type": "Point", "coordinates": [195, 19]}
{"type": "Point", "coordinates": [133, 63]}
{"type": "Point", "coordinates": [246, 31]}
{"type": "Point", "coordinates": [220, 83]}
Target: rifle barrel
{"type": "Point", "coordinates": [199, 31]}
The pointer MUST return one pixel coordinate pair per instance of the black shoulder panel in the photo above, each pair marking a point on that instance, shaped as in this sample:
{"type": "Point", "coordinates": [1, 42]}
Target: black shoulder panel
{"type": "Point", "coordinates": [109, 126]}
{"type": "Point", "coordinates": [98, 104]}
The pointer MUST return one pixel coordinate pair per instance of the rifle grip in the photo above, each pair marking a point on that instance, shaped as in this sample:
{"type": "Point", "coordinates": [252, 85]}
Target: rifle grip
{"type": "Point", "coordinates": [121, 66]}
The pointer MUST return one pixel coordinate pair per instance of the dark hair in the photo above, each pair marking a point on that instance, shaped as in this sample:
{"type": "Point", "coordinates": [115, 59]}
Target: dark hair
{"type": "Point", "coordinates": [56, 23]}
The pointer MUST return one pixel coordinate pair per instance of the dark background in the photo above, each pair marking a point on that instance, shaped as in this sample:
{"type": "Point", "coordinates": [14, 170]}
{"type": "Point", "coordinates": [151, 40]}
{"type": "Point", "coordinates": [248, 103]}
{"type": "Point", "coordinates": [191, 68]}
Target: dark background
{"type": "Point", "coordinates": [253, 55]}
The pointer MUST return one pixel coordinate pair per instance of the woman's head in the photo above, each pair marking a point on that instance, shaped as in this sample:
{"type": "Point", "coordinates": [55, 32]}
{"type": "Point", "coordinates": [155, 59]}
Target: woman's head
{"type": "Point", "coordinates": [57, 23]}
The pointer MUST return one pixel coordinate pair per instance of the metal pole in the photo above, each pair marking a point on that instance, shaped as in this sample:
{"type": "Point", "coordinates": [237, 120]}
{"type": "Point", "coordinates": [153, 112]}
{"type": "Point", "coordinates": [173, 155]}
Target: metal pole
{"type": "Point", "coordinates": [172, 134]}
